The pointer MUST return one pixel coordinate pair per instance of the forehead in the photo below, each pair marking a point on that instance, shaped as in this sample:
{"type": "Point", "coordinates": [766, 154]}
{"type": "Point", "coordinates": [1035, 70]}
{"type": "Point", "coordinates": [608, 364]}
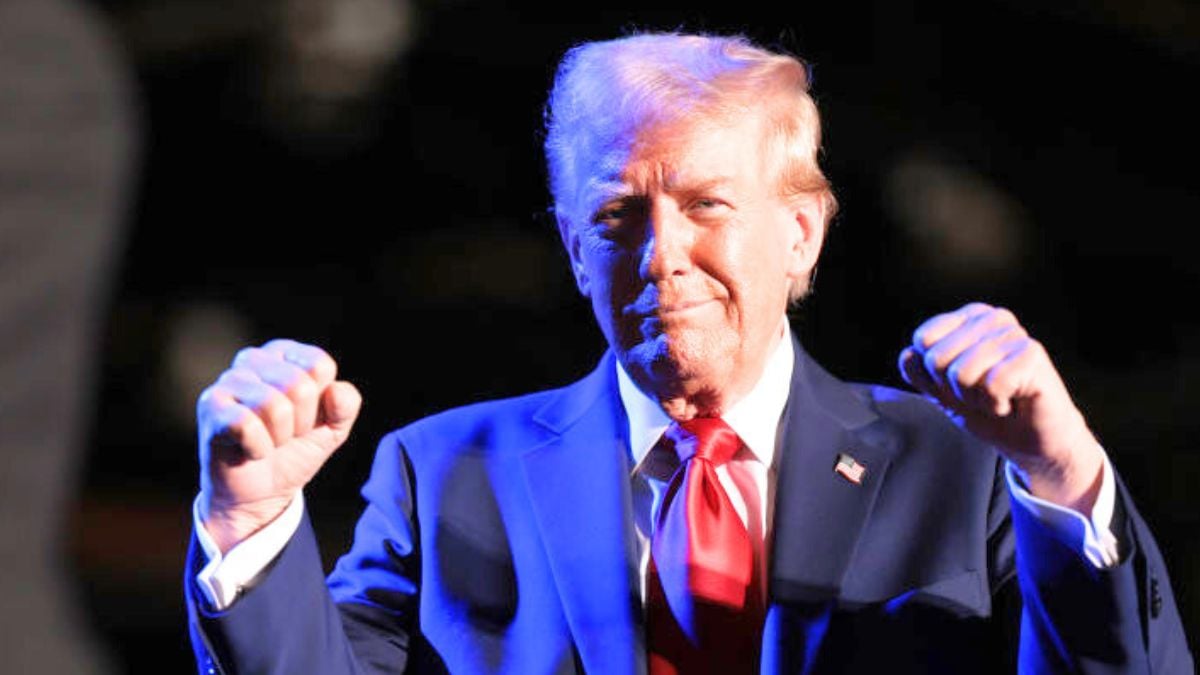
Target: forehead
{"type": "Point", "coordinates": [671, 156]}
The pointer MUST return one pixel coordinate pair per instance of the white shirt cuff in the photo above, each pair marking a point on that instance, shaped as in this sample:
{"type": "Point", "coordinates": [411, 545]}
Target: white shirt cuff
{"type": "Point", "coordinates": [223, 578]}
{"type": "Point", "coordinates": [1093, 536]}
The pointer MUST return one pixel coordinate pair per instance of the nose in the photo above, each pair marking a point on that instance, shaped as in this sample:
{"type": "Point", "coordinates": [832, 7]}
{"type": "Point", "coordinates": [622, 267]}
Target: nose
{"type": "Point", "coordinates": [666, 250]}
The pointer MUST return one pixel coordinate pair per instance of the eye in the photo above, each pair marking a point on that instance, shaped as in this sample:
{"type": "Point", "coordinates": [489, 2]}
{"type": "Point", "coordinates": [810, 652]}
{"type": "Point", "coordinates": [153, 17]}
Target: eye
{"type": "Point", "coordinates": [612, 213]}
{"type": "Point", "coordinates": [707, 206]}
{"type": "Point", "coordinates": [619, 213]}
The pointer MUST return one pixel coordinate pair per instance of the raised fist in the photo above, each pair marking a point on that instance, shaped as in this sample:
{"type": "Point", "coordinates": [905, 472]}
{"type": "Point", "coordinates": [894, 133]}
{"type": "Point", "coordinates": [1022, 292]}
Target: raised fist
{"type": "Point", "coordinates": [992, 378]}
{"type": "Point", "coordinates": [266, 427]}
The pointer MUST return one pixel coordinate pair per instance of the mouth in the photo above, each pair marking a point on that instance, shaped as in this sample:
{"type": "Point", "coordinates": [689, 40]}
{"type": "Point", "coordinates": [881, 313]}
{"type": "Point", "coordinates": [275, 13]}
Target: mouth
{"type": "Point", "coordinates": [667, 312]}
{"type": "Point", "coordinates": [655, 304]}
{"type": "Point", "coordinates": [680, 307]}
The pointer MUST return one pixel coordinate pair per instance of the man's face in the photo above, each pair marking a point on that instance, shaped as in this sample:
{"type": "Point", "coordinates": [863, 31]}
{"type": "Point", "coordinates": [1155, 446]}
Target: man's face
{"type": "Point", "coordinates": [687, 249]}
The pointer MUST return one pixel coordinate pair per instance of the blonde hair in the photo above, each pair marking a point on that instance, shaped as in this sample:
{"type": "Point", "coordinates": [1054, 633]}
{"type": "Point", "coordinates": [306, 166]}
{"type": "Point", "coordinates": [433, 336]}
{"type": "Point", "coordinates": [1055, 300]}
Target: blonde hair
{"type": "Point", "coordinates": [604, 93]}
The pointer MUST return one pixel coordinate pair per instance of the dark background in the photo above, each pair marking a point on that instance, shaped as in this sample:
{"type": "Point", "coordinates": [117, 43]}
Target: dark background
{"type": "Point", "coordinates": [375, 186]}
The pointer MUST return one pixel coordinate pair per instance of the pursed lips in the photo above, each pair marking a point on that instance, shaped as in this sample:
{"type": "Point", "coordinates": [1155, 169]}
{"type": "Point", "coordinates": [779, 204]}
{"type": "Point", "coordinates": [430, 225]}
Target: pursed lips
{"type": "Point", "coordinates": [682, 306]}
{"type": "Point", "coordinates": [651, 305]}
{"type": "Point", "coordinates": [665, 310]}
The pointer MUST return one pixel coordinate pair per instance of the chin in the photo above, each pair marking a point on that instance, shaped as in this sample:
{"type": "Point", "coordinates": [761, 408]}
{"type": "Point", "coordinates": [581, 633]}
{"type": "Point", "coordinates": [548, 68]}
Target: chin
{"type": "Point", "coordinates": [681, 365]}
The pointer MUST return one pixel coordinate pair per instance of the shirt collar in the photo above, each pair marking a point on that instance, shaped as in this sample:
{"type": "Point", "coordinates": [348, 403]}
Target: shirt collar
{"type": "Point", "coordinates": [755, 417]}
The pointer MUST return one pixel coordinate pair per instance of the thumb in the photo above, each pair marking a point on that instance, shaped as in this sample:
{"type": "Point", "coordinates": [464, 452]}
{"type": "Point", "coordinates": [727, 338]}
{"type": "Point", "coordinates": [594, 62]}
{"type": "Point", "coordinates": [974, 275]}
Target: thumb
{"type": "Point", "coordinates": [339, 406]}
{"type": "Point", "coordinates": [340, 403]}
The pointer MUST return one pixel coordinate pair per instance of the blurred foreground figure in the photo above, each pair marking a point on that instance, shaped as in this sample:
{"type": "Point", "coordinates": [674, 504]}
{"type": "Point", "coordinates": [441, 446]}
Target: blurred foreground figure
{"type": "Point", "coordinates": [709, 499]}
{"type": "Point", "coordinates": [66, 139]}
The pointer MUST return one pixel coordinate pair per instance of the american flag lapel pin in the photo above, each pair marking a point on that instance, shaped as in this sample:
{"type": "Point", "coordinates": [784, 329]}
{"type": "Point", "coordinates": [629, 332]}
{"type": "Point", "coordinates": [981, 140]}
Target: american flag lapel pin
{"type": "Point", "coordinates": [850, 468]}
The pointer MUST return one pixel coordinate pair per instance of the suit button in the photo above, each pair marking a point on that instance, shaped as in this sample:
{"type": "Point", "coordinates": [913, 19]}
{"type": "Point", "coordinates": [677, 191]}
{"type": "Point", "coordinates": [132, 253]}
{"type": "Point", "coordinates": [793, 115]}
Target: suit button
{"type": "Point", "coordinates": [1155, 599]}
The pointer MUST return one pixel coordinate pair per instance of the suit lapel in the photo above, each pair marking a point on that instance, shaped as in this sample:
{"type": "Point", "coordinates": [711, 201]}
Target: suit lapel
{"type": "Point", "coordinates": [819, 513]}
{"type": "Point", "coordinates": [578, 484]}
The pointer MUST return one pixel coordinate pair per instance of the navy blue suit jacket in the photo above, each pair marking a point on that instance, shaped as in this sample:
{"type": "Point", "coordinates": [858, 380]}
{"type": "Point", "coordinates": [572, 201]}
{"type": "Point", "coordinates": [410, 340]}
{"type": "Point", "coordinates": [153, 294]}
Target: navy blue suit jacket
{"type": "Point", "coordinates": [499, 538]}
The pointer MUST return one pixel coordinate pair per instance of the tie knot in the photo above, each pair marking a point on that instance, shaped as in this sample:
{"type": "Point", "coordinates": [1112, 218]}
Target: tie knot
{"type": "Point", "coordinates": [707, 438]}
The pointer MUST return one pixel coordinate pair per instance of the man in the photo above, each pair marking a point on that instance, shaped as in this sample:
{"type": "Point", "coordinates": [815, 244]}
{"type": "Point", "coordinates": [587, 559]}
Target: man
{"type": "Point", "coordinates": [709, 499]}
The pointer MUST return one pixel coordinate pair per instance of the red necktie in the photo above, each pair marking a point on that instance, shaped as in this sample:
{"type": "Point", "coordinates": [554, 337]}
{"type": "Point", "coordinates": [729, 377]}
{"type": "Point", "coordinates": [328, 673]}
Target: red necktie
{"type": "Point", "coordinates": [704, 607]}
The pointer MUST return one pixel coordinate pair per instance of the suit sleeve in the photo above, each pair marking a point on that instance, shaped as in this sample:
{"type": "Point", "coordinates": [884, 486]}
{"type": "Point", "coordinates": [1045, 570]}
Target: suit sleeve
{"type": "Point", "coordinates": [1078, 618]}
{"type": "Point", "coordinates": [295, 621]}
{"type": "Point", "coordinates": [286, 624]}
{"type": "Point", "coordinates": [375, 585]}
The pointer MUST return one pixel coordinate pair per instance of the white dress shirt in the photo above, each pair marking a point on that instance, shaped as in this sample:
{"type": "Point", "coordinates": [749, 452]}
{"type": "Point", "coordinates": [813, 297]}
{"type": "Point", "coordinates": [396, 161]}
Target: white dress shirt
{"type": "Point", "coordinates": [749, 480]}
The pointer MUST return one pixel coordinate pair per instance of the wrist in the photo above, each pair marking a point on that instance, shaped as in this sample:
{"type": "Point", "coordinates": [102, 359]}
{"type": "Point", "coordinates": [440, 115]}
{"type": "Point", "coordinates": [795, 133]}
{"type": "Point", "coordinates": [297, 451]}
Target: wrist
{"type": "Point", "coordinates": [230, 524]}
{"type": "Point", "coordinates": [1072, 480]}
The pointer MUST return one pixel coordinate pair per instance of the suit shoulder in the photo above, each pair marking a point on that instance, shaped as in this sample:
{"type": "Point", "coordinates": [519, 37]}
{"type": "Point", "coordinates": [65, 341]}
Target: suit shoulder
{"type": "Point", "coordinates": [920, 423]}
{"type": "Point", "coordinates": [497, 423]}
{"type": "Point", "coordinates": [900, 406]}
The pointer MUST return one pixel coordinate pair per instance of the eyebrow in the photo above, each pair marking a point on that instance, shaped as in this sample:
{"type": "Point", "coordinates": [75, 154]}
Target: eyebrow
{"type": "Point", "coordinates": [674, 185]}
{"type": "Point", "coordinates": [606, 190]}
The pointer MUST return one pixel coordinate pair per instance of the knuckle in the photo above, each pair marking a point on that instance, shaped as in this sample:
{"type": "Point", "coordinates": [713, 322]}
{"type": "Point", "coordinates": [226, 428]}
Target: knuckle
{"type": "Point", "coordinates": [208, 403]}
{"type": "Point", "coordinates": [322, 368]}
{"type": "Point", "coordinates": [275, 408]}
{"type": "Point", "coordinates": [1035, 346]}
{"type": "Point", "coordinates": [1011, 332]}
{"type": "Point", "coordinates": [207, 397]}
{"type": "Point", "coordinates": [276, 374]}
{"type": "Point", "coordinates": [323, 362]}
{"type": "Point", "coordinates": [302, 389]}
{"type": "Point", "coordinates": [922, 336]}
{"type": "Point", "coordinates": [245, 355]}
{"type": "Point", "coordinates": [988, 337]}
{"type": "Point", "coordinates": [236, 376]}
{"type": "Point", "coordinates": [1003, 315]}
{"type": "Point", "coordinates": [971, 312]}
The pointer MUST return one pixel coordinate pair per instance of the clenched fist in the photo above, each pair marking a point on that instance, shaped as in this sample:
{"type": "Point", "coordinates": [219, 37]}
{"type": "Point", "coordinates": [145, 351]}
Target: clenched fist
{"type": "Point", "coordinates": [266, 427]}
{"type": "Point", "coordinates": [993, 379]}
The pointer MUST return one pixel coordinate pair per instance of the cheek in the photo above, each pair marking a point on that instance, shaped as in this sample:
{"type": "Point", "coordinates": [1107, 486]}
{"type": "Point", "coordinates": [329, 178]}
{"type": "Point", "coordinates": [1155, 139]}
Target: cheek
{"type": "Point", "coordinates": [608, 272]}
{"type": "Point", "coordinates": [755, 267]}
{"type": "Point", "coordinates": [737, 259]}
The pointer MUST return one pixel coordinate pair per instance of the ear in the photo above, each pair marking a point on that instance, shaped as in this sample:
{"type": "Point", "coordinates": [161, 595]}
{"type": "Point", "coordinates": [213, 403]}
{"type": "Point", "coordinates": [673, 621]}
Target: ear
{"type": "Point", "coordinates": [571, 243]}
{"type": "Point", "coordinates": [809, 212]}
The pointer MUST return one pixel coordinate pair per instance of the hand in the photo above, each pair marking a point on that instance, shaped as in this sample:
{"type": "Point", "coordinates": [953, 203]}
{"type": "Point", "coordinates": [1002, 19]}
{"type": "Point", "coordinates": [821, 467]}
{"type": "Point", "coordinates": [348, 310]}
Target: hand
{"type": "Point", "coordinates": [985, 371]}
{"type": "Point", "coordinates": [266, 427]}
